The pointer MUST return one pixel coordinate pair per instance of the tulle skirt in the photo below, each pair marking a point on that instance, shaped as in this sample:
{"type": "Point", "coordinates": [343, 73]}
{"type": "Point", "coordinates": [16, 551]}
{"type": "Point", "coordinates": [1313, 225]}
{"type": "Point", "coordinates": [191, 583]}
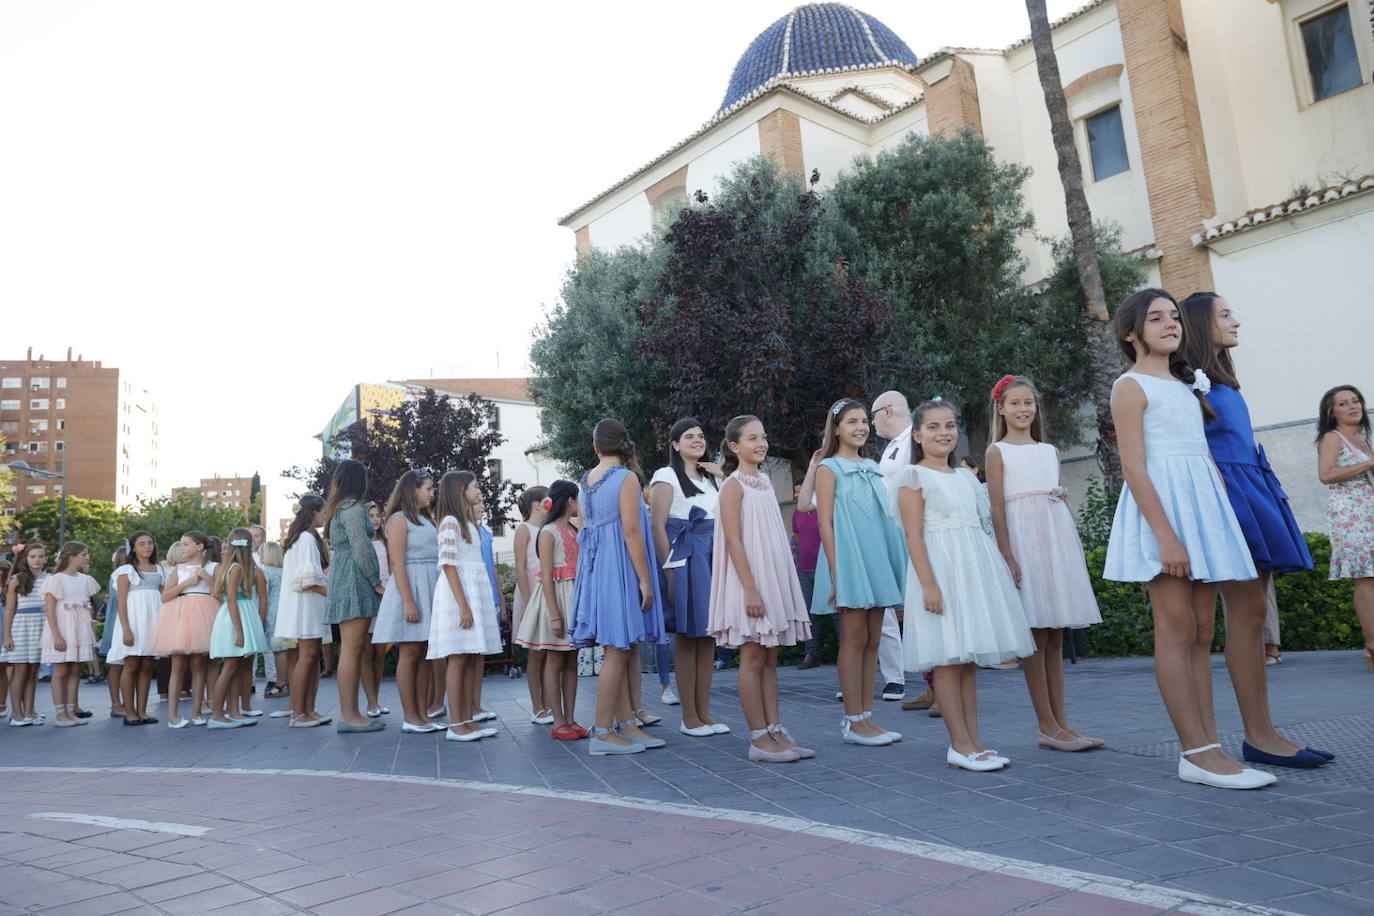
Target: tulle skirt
{"type": "Point", "coordinates": [77, 631]}
{"type": "Point", "coordinates": [1055, 588]}
{"type": "Point", "coordinates": [184, 625]}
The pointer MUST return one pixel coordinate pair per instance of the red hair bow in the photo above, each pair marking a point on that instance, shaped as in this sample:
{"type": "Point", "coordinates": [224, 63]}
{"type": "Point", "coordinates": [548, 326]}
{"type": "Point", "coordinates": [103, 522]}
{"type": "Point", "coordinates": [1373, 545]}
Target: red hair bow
{"type": "Point", "coordinates": [1002, 384]}
{"type": "Point", "coordinates": [546, 504]}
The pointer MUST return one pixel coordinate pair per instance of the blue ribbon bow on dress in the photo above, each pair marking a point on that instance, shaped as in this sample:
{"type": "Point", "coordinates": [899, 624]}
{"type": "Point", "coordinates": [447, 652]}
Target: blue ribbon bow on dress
{"type": "Point", "coordinates": [690, 540]}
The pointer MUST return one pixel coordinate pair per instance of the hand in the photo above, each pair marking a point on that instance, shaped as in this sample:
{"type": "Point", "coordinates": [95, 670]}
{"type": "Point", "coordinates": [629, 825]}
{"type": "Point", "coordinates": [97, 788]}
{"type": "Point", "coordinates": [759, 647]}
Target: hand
{"type": "Point", "coordinates": [1012, 568]}
{"type": "Point", "coordinates": [203, 576]}
{"type": "Point", "coordinates": [238, 638]}
{"type": "Point", "coordinates": [128, 637]}
{"type": "Point", "coordinates": [646, 595]}
{"type": "Point", "coordinates": [670, 580]}
{"type": "Point", "coordinates": [58, 643]}
{"type": "Point", "coordinates": [710, 467]}
{"type": "Point", "coordinates": [319, 590]}
{"type": "Point", "coordinates": [831, 600]}
{"type": "Point", "coordinates": [1174, 558]}
{"type": "Point", "coordinates": [815, 458]}
{"type": "Point", "coordinates": [412, 612]}
{"type": "Point", "coordinates": [560, 629]}
{"type": "Point", "coordinates": [933, 600]}
{"type": "Point", "coordinates": [9, 644]}
{"type": "Point", "coordinates": [753, 602]}
{"type": "Point", "coordinates": [379, 589]}
{"type": "Point", "coordinates": [465, 619]}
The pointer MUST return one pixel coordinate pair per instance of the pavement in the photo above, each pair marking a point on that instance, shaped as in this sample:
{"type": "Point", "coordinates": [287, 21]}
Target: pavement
{"type": "Point", "coordinates": [107, 819]}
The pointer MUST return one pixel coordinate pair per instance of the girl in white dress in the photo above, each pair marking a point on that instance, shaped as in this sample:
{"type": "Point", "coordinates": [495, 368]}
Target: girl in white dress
{"type": "Point", "coordinates": [138, 591]}
{"type": "Point", "coordinates": [463, 624]}
{"type": "Point", "coordinates": [962, 609]}
{"type": "Point", "coordinates": [1038, 539]}
{"type": "Point", "coordinates": [533, 505]}
{"type": "Point", "coordinates": [300, 612]}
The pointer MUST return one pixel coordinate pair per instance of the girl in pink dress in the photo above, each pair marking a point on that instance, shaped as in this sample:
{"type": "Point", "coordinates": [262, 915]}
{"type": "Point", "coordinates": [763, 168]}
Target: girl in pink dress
{"type": "Point", "coordinates": [1037, 537]}
{"type": "Point", "coordinates": [756, 600]}
{"type": "Point", "coordinates": [533, 505]}
{"type": "Point", "coordinates": [68, 637]}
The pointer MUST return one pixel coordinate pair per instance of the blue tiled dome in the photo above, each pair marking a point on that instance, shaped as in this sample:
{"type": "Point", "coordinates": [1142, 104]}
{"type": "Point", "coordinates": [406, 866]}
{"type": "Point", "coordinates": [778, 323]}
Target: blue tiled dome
{"type": "Point", "coordinates": [815, 38]}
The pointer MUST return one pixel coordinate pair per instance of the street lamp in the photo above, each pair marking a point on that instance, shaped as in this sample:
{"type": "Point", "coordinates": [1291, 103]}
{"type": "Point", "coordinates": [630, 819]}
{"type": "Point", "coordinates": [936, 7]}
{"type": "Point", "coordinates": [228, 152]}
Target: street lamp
{"type": "Point", "coordinates": [24, 467]}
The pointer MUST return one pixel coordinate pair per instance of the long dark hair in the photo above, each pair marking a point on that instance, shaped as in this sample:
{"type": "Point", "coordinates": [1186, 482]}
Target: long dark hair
{"type": "Point", "coordinates": [19, 568]}
{"type": "Point", "coordinates": [403, 497]}
{"type": "Point", "coordinates": [733, 429]}
{"type": "Point", "coordinates": [1199, 314]}
{"type": "Point", "coordinates": [349, 482]}
{"type": "Point", "coordinates": [1326, 410]}
{"type": "Point", "coordinates": [612, 438]}
{"type": "Point", "coordinates": [132, 555]}
{"type": "Point", "coordinates": [689, 487]}
{"type": "Point", "coordinates": [830, 439]}
{"type": "Point", "coordinates": [561, 492]}
{"type": "Point", "coordinates": [1130, 319]}
{"type": "Point", "coordinates": [917, 415]}
{"type": "Point", "coordinates": [309, 504]}
{"type": "Point", "coordinates": [451, 500]}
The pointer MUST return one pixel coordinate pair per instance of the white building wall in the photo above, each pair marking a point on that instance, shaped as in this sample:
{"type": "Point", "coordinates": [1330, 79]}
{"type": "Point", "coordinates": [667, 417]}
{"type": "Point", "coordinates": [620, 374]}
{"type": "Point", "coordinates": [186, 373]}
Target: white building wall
{"type": "Point", "coordinates": [137, 460]}
{"type": "Point", "coordinates": [624, 225]}
{"type": "Point", "coordinates": [828, 150]}
{"type": "Point", "coordinates": [520, 425]}
{"type": "Point", "coordinates": [714, 163]}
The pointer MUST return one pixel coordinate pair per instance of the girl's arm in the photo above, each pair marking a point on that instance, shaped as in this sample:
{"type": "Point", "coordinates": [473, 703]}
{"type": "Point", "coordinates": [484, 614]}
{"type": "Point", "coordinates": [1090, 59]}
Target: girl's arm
{"type": "Point", "coordinates": [660, 504]}
{"type": "Point", "coordinates": [1328, 450]}
{"type": "Point", "coordinates": [825, 518]}
{"type": "Point", "coordinates": [260, 581]}
{"type": "Point", "coordinates": [231, 600]}
{"type": "Point", "coordinates": [122, 602]}
{"type": "Point", "coordinates": [522, 544]}
{"type": "Point", "coordinates": [806, 499]}
{"type": "Point", "coordinates": [545, 546]}
{"type": "Point", "coordinates": [173, 586]}
{"type": "Point", "coordinates": [1128, 415]}
{"type": "Point", "coordinates": [360, 540]}
{"type": "Point", "coordinates": [50, 613]}
{"type": "Point", "coordinates": [630, 501]}
{"type": "Point", "coordinates": [11, 608]}
{"type": "Point", "coordinates": [397, 533]}
{"type": "Point", "coordinates": [993, 469]}
{"type": "Point", "coordinates": [728, 513]}
{"type": "Point", "coordinates": [912, 506]}
{"type": "Point", "coordinates": [448, 562]}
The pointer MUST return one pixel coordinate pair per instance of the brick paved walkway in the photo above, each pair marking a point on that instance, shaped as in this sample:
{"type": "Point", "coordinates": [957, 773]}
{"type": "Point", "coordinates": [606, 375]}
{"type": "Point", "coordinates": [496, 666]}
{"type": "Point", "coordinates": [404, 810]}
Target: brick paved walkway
{"type": "Point", "coordinates": [1306, 845]}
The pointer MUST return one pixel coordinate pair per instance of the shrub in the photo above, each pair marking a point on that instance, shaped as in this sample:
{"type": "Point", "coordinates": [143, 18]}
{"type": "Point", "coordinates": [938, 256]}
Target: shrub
{"type": "Point", "coordinates": [1316, 612]}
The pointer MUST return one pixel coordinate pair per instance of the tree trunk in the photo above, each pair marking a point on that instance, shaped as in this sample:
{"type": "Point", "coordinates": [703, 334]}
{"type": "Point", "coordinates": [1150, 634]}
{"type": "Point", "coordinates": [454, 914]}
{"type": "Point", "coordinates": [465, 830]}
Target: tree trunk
{"type": "Point", "coordinates": [1103, 347]}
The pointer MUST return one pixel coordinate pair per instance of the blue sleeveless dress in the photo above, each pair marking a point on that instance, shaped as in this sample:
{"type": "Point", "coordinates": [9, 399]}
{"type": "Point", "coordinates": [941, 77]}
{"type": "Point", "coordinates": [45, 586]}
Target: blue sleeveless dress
{"type": "Point", "coordinates": [606, 608]}
{"type": "Point", "coordinates": [1190, 489]}
{"type": "Point", "coordinates": [1261, 506]}
{"type": "Point", "coordinates": [870, 554]}
{"type": "Point", "coordinates": [422, 571]}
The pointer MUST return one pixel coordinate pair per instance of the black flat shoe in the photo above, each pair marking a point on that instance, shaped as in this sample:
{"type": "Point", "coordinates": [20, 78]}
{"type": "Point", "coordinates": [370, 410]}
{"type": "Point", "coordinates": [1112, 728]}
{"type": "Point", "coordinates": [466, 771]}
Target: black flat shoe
{"type": "Point", "coordinates": [147, 720]}
{"type": "Point", "coordinates": [84, 714]}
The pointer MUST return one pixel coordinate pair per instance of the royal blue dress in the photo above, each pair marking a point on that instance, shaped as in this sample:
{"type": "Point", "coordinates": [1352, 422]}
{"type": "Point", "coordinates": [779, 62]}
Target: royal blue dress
{"type": "Point", "coordinates": [1275, 540]}
{"type": "Point", "coordinates": [606, 609]}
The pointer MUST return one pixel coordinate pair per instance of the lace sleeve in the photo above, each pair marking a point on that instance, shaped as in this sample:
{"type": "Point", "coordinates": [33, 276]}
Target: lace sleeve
{"type": "Point", "coordinates": [448, 541]}
{"type": "Point", "coordinates": [360, 541]}
{"type": "Point", "coordinates": [907, 478]}
{"type": "Point", "coordinates": [303, 559]}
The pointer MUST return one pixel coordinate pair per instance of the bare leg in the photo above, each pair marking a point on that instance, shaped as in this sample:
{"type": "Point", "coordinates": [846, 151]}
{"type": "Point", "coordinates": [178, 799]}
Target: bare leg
{"type": "Point", "coordinates": [408, 667]}
{"type": "Point", "coordinates": [114, 679]}
{"type": "Point", "coordinates": [476, 669]}
{"type": "Point", "coordinates": [968, 701]}
{"type": "Point", "coordinates": [1245, 662]}
{"type": "Point", "coordinates": [853, 627]}
{"type": "Point", "coordinates": [59, 692]}
{"type": "Point", "coordinates": [353, 634]}
{"type": "Point", "coordinates": [949, 690]}
{"type": "Point", "coordinates": [438, 677]}
{"type": "Point", "coordinates": [1364, 609]}
{"type": "Point", "coordinates": [200, 665]}
{"type": "Point", "coordinates": [1036, 671]}
{"type": "Point", "coordinates": [536, 676]}
{"type": "Point", "coordinates": [371, 674]}
{"type": "Point", "coordinates": [175, 680]}
{"type": "Point", "coordinates": [303, 673]}
{"type": "Point", "coordinates": [247, 671]}
{"type": "Point", "coordinates": [612, 691]}
{"type": "Point", "coordinates": [706, 672]}
{"type": "Point", "coordinates": [873, 620]}
{"type": "Point", "coordinates": [20, 681]}
{"type": "Point", "coordinates": [632, 680]}
{"type": "Point", "coordinates": [1179, 632]}
{"type": "Point", "coordinates": [456, 680]}
{"type": "Point", "coordinates": [569, 687]}
{"type": "Point", "coordinates": [687, 673]}
{"type": "Point", "coordinates": [225, 692]}
{"type": "Point", "coordinates": [551, 690]}
{"type": "Point", "coordinates": [128, 687]}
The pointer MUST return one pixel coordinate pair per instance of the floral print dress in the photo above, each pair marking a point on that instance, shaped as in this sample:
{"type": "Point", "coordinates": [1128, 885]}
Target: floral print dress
{"type": "Point", "coordinates": [1350, 516]}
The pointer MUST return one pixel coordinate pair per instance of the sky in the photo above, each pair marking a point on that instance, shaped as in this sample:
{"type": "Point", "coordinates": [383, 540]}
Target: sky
{"type": "Point", "coordinates": [251, 206]}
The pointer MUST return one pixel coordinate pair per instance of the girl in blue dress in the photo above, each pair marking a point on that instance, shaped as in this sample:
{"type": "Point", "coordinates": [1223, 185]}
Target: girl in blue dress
{"type": "Point", "coordinates": [616, 601]}
{"type": "Point", "coordinates": [861, 569]}
{"type": "Point", "coordinates": [1272, 534]}
{"type": "Point", "coordinates": [1174, 527]}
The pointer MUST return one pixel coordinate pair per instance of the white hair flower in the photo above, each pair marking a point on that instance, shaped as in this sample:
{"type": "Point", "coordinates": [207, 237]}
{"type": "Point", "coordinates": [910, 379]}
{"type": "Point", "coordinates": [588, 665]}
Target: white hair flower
{"type": "Point", "coordinates": [1201, 383]}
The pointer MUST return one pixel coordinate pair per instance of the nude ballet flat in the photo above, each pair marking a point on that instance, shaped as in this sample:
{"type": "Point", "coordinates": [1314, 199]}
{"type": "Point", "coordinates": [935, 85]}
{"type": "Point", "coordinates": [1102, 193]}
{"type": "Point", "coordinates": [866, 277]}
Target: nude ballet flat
{"type": "Point", "coordinates": [1057, 744]}
{"type": "Point", "coordinates": [759, 755]}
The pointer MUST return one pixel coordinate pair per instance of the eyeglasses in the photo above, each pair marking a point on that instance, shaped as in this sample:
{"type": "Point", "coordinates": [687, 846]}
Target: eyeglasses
{"type": "Point", "coordinates": [885, 407]}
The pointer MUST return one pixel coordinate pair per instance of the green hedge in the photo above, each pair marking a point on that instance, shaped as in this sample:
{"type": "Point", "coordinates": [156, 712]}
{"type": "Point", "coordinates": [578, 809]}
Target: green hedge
{"type": "Point", "coordinates": [1314, 612]}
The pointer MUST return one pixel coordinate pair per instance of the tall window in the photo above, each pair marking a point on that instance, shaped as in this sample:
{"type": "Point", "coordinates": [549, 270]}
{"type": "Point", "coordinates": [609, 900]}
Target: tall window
{"type": "Point", "coordinates": [1107, 144]}
{"type": "Point", "coordinates": [1329, 43]}
{"type": "Point", "coordinates": [12, 383]}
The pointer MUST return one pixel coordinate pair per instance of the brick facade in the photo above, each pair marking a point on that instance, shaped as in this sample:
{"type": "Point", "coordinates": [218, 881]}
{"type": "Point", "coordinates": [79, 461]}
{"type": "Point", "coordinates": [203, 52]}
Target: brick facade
{"type": "Point", "coordinates": [780, 140]}
{"type": "Point", "coordinates": [1092, 78]}
{"type": "Point", "coordinates": [952, 100]}
{"type": "Point", "coordinates": [1169, 128]}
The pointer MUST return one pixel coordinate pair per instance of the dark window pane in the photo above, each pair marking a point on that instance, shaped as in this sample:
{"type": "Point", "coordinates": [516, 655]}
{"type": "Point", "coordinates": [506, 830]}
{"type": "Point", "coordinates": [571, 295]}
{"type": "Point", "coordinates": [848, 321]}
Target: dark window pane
{"type": "Point", "coordinates": [1331, 58]}
{"type": "Point", "coordinates": [1107, 143]}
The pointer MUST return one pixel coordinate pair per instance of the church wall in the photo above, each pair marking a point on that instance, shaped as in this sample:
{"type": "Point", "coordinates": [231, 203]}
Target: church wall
{"type": "Point", "coordinates": [829, 151]}
{"type": "Point", "coordinates": [891, 133]}
{"type": "Point", "coordinates": [1265, 137]}
{"type": "Point", "coordinates": [624, 225]}
{"type": "Point", "coordinates": [709, 166]}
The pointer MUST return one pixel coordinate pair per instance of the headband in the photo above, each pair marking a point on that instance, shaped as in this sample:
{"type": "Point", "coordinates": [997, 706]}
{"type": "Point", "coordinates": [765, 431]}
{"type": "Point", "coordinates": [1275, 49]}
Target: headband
{"type": "Point", "coordinates": [1002, 385]}
{"type": "Point", "coordinates": [238, 542]}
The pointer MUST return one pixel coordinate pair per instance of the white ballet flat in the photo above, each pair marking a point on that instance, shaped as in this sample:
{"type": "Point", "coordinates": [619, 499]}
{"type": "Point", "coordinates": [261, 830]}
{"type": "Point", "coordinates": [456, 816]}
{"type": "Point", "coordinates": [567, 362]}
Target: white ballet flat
{"type": "Point", "coordinates": [198, 721]}
{"type": "Point", "coordinates": [451, 735]}
{"type": "Point", "coordinates": [701, 731]}
{"type": "Point", "coordinates": [720, 728]}
{"type": "Point", "coordinates": [181, 724]}
{"type": "Point", "coordinates": [428, 728]}
{"type": "Point", "coordinates": [1245, 779]}
{"type": "Point", "coordinates": [978, 763]}
{"type": "Point", "coordinates": [850, 737]}
{"type": "Point", "coordinates": [541, 717]}
{"type": "Point", "coordinates": [486, 715]}
{"type": "Point", "coordinates": [251, 713]}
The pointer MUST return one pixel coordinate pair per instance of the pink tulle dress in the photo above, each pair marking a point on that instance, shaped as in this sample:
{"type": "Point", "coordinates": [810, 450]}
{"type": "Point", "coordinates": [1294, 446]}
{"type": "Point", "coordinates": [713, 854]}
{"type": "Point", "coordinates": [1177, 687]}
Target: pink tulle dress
{"type": "Point", "coordinates": [1055, 588]}
{"type": "Point", "coordinates": [785, 621]}
{"type": "Point", "coordinates": [73, 592]}
{"type": "Point", "coordinates": [185, 622]}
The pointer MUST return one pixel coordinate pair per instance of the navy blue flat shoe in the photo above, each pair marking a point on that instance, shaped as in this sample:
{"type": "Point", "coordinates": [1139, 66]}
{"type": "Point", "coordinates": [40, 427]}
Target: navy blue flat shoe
{"type": "Point", "coordinates": [1303, 759]}
{"type": "Point", "coordinates": [1327, 754]}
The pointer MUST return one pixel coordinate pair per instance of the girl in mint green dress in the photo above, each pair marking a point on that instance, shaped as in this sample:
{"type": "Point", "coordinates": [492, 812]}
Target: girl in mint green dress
{"type": "Point", "coordinates": [861, 568]}
{"type": "Point", "coordinates": [237, 633]}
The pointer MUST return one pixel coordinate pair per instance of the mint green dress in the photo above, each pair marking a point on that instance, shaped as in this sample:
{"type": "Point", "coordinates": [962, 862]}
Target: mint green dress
{"type": "Point", "coordinates": [870, 555]}
{"type": "Point", "coordinates": [223, 640]}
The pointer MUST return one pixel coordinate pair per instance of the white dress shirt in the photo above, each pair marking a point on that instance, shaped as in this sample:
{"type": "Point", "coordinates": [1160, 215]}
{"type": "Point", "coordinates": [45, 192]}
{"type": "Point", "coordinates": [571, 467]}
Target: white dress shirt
{"type": "Point", "coordinates": [896, 454]}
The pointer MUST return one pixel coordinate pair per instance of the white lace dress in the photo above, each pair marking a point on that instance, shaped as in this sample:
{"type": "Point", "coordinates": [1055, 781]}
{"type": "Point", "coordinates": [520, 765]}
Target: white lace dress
{"type": "Point", "coordinates": [983, 621]}
{"type": "Point", "coordinates": [446, 637]}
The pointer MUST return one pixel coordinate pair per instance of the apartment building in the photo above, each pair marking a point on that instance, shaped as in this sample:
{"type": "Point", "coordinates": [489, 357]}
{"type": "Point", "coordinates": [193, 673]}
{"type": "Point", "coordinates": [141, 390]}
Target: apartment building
{"type": "Point", "coordinates": [80, 418]}
{"type": "Point", "coordinates": [232, 492]}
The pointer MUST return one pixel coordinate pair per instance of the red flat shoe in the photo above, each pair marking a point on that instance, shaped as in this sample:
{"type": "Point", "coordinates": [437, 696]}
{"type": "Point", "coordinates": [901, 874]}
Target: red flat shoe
{"type": "Point", "coordinates": [564, 733]}
{"type": "Point", "coordinates": [581, 732]}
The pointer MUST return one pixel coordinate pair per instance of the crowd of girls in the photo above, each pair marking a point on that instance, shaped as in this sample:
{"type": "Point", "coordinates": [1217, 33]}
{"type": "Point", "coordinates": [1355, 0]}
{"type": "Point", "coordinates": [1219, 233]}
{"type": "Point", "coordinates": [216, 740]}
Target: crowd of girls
{"type": "Point", "coordinates": [699, 554]}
